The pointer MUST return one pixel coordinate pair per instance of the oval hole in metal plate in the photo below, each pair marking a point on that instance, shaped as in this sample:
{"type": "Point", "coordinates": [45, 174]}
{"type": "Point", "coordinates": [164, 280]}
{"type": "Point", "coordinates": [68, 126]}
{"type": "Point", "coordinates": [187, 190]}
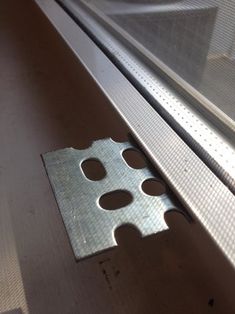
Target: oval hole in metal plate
{"type": "Point", "coordinates": [93, 169]}
{"type": "Point", "coordinates": [153, 187]}
{"type": "Point", "coordinates": [134, 158]}
{"type": "Point", "coordinates": [115, 199]}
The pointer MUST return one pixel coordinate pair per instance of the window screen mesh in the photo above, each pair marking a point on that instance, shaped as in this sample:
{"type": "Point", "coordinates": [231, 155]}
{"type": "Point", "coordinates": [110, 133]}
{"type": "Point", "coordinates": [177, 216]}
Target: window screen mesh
{"type": "Point", "coordinates": [195, 38]}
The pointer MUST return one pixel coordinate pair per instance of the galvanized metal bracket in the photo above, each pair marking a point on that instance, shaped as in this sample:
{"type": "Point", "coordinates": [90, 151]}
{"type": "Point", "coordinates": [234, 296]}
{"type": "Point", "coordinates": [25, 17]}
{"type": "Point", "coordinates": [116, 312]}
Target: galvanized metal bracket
{"type": "Point", "coordinates": [90, 227]}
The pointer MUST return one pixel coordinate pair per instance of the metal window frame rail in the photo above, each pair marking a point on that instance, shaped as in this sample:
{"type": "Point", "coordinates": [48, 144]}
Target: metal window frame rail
{"type": "Point", "coordinates": [205, 128]}
{"type": "Point", "coordinates": [207, 198]}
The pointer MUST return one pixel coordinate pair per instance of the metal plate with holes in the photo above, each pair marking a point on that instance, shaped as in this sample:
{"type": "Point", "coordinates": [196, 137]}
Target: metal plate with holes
{"type": "Point", "coordinates": [91, 227]}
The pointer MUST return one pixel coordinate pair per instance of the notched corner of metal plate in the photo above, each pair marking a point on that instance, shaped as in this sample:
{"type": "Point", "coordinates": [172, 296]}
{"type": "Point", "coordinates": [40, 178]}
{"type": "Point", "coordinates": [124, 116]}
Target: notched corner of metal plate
{"type": "Point", "coordinates": [90, 227]}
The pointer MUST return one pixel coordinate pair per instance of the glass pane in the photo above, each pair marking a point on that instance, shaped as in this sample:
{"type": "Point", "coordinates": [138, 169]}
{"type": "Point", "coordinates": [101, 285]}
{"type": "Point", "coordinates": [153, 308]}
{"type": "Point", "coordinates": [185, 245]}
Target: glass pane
{"type": "Point", "coordinates": [195, 38]}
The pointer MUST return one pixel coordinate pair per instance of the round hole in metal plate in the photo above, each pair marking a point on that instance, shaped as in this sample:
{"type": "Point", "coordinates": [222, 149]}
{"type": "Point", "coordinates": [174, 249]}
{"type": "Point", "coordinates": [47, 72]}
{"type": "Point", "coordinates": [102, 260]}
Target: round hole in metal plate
{"type": "Point", "coordinates": [134, 158]}
{"type": "Point", "coordinates": [93, 169]}
{"type": "Point", "coordinates": [153, 187]}
{"type": "Point", "coordinates": [115, 199]}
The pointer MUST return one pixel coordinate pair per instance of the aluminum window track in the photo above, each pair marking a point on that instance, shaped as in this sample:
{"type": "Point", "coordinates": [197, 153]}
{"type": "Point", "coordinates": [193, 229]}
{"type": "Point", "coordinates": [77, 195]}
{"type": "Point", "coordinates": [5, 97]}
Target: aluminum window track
{"type": "Point", "coordinates": [196, 125]}
{"type": "Point", "coordinates": [200, 190]}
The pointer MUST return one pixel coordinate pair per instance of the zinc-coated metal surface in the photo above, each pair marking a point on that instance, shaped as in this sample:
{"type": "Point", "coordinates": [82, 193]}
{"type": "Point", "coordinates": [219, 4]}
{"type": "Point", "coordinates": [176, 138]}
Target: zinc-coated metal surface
{"type": "Point", "coordinates": [90, 227]}
{"type": "Point", "coordinates": [195, 184]}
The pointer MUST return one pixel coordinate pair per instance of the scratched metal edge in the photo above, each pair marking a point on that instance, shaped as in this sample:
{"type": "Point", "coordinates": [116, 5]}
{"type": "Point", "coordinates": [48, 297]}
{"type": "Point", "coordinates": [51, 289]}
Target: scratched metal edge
{"type": "Point", "coordinates": [52, 188]}
{"type": "Point", "coordinates": [208, 199]}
